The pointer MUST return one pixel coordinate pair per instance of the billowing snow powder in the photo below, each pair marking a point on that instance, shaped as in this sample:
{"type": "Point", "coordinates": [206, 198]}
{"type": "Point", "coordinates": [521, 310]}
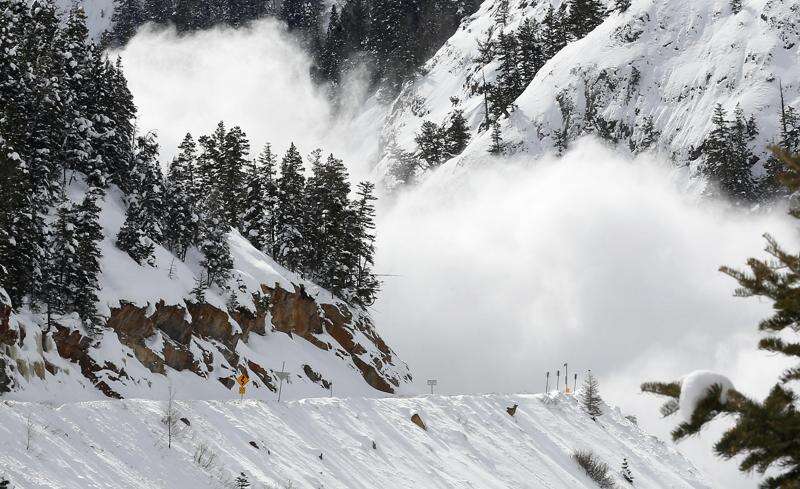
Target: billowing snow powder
{"type": "Point", "coordinates": [694, 388]}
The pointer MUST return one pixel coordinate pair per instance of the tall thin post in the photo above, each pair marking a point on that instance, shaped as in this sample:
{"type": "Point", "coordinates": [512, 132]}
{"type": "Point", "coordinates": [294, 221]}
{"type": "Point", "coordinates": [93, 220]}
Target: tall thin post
{"type": "Point", "coordinates": [547, 382]}
{"type": "Point", "coordinates": [558, 379]}
{"type": "Point", "coordinates": [280, 386]}
{"type": "Point", "coordinates": [566, 378]}
{"type": "Point", "coordinates": [575, 383]}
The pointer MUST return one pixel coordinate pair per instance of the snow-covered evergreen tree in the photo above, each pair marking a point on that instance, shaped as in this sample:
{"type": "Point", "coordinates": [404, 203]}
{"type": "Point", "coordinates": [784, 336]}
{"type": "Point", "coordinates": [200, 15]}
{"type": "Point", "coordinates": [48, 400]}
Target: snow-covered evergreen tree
{"type": "Point", "coordinates": [142, 227]}
{"type": "Point", "coordinates": [217, 260]}
{"type": "Point", "coordinates": [590, 396]}
{"type": "Point", "coordinates": [625, 471]}
{"type": "Point", "coordinates": [289, 211]}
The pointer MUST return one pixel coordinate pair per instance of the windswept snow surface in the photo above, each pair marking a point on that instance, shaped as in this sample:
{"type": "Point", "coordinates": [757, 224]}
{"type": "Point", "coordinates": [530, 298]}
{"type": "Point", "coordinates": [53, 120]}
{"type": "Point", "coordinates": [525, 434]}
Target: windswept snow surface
{"type": "Point", "coordinates": [470, 442]}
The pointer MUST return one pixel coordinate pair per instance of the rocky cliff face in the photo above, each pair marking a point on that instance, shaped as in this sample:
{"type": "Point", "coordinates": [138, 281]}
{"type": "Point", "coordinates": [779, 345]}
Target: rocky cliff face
{"type": "Point", "coordinates": [203, 340]}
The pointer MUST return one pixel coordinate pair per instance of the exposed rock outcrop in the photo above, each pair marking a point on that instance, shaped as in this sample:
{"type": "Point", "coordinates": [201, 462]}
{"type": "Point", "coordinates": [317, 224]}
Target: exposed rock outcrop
{"type": "Point", "coordinates": [200, 338]}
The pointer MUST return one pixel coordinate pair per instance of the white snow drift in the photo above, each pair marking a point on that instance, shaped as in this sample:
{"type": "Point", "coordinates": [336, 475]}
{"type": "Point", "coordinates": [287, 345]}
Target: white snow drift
{"type": "Point", "coordinates": [356, 443]}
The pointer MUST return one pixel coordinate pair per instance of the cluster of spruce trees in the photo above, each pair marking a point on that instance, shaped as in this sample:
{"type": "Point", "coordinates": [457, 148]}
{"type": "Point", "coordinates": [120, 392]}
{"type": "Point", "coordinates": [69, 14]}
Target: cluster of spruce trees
{"type": "Point", "coordinates": [521, 53]}
{"type": "Point", "coordinates": [65, 117]}
{"type": "Point", "coordinates": [394, 36]}
{"type": "Point", "coordinates": [67, 134]}
{"type": "Point", "coordinates": [309, 225]}
{"type": "Point", "coordinates": [728, 154]}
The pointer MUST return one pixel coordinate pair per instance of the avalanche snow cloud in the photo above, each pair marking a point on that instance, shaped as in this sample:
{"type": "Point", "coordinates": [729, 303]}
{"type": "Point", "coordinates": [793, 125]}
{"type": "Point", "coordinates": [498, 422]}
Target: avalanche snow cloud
{"type": "Point", "coordinates": [511, 269]}
{"type": "Point", "coordinates": [255, 77]}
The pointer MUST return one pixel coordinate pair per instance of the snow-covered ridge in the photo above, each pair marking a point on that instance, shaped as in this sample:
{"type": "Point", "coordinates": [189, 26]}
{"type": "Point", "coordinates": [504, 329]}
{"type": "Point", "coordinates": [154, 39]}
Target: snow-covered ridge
{"type": "Point", "coordinates": [666, 59]}
{"type": "Point", "coordinates": [354, 443]}
{"type": "Point", "coordinates": [157, 336]}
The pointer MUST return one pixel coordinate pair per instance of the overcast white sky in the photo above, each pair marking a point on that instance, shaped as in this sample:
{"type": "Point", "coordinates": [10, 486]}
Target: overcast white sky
{"type": "Point", "coordinates": [508, 271]}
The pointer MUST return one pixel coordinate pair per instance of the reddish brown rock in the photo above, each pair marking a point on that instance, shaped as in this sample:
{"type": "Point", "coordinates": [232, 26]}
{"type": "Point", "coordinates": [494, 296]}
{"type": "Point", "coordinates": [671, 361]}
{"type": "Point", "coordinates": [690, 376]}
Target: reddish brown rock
{"type": "Point", "coordinates": [417, 420]}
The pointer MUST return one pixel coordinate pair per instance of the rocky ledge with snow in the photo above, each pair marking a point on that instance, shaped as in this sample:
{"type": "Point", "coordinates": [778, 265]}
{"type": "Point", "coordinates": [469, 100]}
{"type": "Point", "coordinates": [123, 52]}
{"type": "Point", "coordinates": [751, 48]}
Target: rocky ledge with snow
{"type": "Point", "coordinates": [156, 335]}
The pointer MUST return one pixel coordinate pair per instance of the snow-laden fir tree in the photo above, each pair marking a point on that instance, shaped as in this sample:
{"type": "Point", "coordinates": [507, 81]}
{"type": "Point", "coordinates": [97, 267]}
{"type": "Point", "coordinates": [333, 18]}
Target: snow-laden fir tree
{"type": "Point", "coordinates": [230, 176]}
{"type": "Point", "coordinates": [257, 222]}
{"type": "Point", "coordinates": [766, 434]}
{"type": "Point", "coordinates": [289, 211]}
{"type": "Point", "coordinates": [590, 396]}
{"type": "Point", "coordinates": [431, 143]}
{"type": "Point", "coordinates": [181, 222]}
{"type": "Point", "coordinates": [497, 146]}
{"type": "Point", "coordinates": [88, 234]}
{"type": "Point", "coordinates": [241, 481]}
{"type": "Point", "coordinates": [217, 260]}
{"type": "Point", "coordinates": [622, 5]}
{"type": "Point", "coordinates": [728, 158]}
{"type": "Point", "coordinates": [456, 134]}
{"type": "Point", "coordinates": [625, 471]}
{"type": "Point", "coordinates": [329, 259]}
{"type": "Point", "coordinates": [531, 50]}
{"type": "Point", "coordinates": [366, 285]}
{"type": "Point", "coordinates": [584, 16]}
{"type": "Point", "coordinates": [142, 227]}
{"type": "Point", "coordinates": [554, 32]}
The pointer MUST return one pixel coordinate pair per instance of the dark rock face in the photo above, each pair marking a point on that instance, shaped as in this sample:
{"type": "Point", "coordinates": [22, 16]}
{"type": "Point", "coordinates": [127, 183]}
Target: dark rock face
{"type": "Point", "coordinates": [292, 313]}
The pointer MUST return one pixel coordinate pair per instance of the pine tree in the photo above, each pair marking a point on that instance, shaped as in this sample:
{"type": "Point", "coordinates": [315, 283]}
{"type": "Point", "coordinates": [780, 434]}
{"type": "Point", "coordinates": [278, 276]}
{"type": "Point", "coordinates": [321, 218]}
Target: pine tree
{"type": "Point", "coordinates": [456, 134]}
{"type": "Point", "coordinates": [509, 83]}
{"type": "Point", "coordinates": [648, 135]}
{"type": "Point", "coordinates": [789, 142]}
{"type": "Point", "coordinates": [333, 52]}
{"type": "Point", "coordinates": [554, 35]}
{"type": "Point", "coordinates": [431, 144]}
{"type": "Point", "coordinates": [127, 17]}
{"type": "Point", "coordinates": [365, 284]}
{"type": "Point", "coordinates": [142, 227]}
{"type": "Point", "coordinates": [230, 176]}
{"type": "Point", "coordinates": [736, 6]}
{"type": "Point", "coordinates": [562, 137]}
{"type": "Point", "coordinates": [728, 158]}
{"type": "Point", "coordinates": [404, 165]}
{"type": "Point", "coordinates": [584, 16]}
{"type": "Point", "coordinates": [257, 219]}
{"type": "Point", "coordinates": [88, 234]}
{"type": "Point", "coordinates": [180, 227]}
{"type": "Point", "coordinates": [625, 471]}
{"type": "Point", "coordinates": [590, 397]}
{"type": "Point", "coordinates": [241, 482]}
{"type": "Point", "coordinates": [497, 145]}
{"type": "Point", "coordinates": [501, 13]}
{"type": "Point", "coordinates": [217, 260]}
{"type": "Point", "coordinates": [531, 53]}
{"type": "Point", "coordinates": [330, 256]}
{"type": "Point", "coordinates": [289, 211]}
{"type": "Point", "coordinates": [766, 434]}
{"type": "Point", "coordinates": [622, 5]}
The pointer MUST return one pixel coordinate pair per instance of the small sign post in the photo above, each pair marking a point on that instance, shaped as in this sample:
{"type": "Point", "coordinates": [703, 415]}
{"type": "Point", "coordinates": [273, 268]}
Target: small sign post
{"type": "Point", "coordinates": [432, 382]}
{"type": "Point", "coordinates": [282, 375]}
{"type": "Point", "coordinates": [547, 382]}
{"type": "Point", "coordinates": [242, 380]}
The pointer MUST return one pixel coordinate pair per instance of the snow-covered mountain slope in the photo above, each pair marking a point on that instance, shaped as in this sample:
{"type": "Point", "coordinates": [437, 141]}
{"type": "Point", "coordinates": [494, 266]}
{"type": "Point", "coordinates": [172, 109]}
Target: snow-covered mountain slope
{"type": "Point", "coordinates": [355, 443]}
{"type": "Point", "coordinates": [669, 59]}
{"type": "Point", "coordinates": [156, 335]}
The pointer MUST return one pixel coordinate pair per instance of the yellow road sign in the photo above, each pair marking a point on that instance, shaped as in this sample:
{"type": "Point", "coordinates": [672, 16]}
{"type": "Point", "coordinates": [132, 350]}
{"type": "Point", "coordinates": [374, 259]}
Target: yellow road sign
{"type": "Point", "coordinates": [242, 379]}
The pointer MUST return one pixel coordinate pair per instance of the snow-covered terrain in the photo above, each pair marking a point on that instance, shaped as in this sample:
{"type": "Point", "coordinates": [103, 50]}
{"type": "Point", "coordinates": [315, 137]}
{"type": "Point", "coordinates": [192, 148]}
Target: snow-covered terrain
{"type": "Point", "coordinates": [672, 60]}
{"type": "Point", "coordinates": [351, 443]}
{"type": "Point", "coordinates": [157, 335]}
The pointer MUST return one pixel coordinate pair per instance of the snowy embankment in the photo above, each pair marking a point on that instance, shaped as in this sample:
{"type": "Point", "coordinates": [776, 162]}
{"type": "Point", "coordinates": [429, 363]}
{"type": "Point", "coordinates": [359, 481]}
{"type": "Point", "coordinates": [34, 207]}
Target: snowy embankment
{"type": "Point", "coordinates": [355, 443]}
